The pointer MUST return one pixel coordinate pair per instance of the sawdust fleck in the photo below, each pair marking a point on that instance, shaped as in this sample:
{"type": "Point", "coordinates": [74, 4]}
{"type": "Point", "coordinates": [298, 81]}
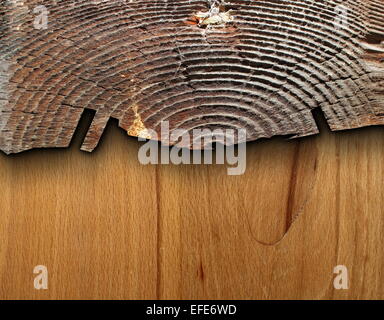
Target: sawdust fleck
{"type": "Point", "coordinates": [138, 129]}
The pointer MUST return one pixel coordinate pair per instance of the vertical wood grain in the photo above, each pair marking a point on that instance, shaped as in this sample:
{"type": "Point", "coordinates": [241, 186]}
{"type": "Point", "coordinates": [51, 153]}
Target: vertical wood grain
{"type": "Point", "coordinates": [108, 227]}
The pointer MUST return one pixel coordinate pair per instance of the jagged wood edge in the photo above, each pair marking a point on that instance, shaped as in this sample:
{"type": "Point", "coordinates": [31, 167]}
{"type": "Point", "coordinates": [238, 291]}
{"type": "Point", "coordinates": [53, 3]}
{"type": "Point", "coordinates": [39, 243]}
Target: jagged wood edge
{"type": "Point", "coordinates": [25, 50]}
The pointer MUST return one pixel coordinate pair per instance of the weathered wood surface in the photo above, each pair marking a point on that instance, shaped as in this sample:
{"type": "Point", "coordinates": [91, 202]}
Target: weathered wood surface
{"type": "Point", "coordinates": [139, 62]}
{"type": "Point", "coordinates": [107, 227]}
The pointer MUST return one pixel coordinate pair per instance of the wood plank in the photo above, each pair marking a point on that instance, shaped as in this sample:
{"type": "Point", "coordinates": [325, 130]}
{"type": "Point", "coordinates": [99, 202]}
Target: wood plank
{"type": "Point", "coordinates": [265, 69]}
{"type": "Point", "coordinates": [107, 227]}
{"type": "Point", "coordinates": [97, 238]}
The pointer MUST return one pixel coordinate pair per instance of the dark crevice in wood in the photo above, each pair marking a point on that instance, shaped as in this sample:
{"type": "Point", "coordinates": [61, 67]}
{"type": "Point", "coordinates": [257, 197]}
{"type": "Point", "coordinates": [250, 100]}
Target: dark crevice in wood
{"type": "Point", "coordinates": [374, 38]}
{"type": "Point", "coordinates": [82, 128]}
{"type": "Point", "coordinates": [320, 120]}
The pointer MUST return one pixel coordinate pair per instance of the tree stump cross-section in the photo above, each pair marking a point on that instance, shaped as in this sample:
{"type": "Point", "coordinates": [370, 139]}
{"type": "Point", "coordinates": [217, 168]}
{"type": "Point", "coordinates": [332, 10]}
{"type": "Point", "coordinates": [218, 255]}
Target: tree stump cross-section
{"type": "Point", "coordinates": [261, 65]}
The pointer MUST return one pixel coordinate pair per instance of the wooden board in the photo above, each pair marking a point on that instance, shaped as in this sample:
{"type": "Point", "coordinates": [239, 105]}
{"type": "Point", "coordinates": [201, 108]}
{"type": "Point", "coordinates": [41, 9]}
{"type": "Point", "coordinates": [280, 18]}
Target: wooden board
{"type": "Point", "coordinates": [138, 61]}
{"type": "Point", "coordinates": [107, 227]}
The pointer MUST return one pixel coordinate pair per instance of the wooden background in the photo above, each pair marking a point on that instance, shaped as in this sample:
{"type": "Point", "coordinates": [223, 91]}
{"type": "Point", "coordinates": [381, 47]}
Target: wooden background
{"type": "Point", "coordinates": [107, 227]}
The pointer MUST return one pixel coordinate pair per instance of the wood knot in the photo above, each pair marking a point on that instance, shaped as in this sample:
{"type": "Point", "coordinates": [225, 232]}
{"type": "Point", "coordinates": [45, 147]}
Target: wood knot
{"type": "Point", "coordinates": [215, 16]}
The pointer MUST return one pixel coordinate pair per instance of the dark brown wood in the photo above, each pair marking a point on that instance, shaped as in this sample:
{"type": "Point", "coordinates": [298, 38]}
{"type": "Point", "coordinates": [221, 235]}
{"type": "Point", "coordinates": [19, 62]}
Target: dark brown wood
{"type": "Point", "coordinates": [143, 62]}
